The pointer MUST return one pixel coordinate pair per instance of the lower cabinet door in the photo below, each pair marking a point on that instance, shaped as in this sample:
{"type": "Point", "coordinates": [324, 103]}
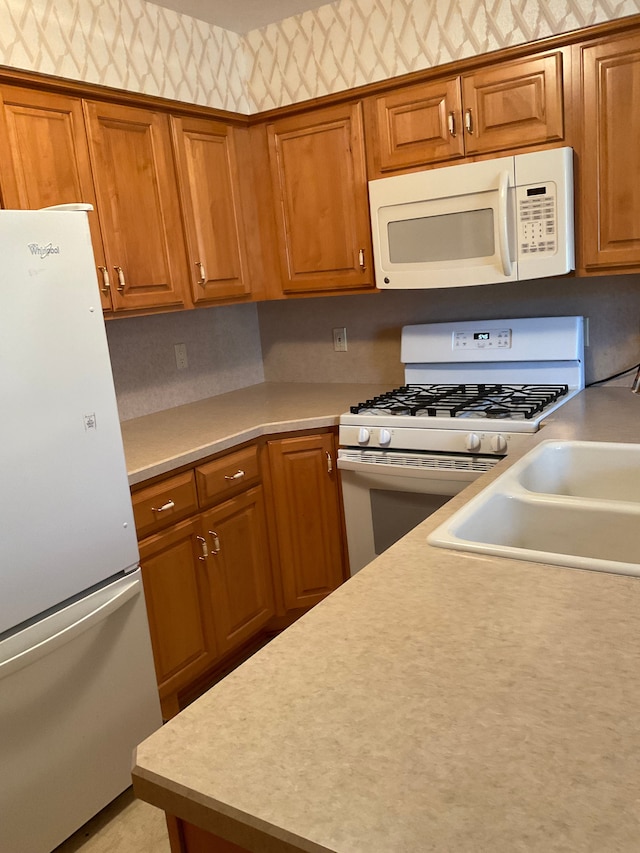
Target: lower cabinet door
{"type": "Point", "coordinates": [238, 568]}
{"type": "Point", "coordinates": [307, 517]}
{"type": "Point", "coordinates": [175, 590]}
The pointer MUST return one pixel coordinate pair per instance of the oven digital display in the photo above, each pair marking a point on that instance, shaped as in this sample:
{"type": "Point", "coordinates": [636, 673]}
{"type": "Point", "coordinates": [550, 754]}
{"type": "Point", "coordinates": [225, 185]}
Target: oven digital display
{"type": "Point", "coordinates": [489, 339]}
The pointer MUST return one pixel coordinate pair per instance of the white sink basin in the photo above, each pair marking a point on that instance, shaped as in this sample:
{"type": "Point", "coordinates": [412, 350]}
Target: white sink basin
{"type": "Point", "coordinates": [566, 503]}
{"type": "Point", "coordinates": [583, 469]}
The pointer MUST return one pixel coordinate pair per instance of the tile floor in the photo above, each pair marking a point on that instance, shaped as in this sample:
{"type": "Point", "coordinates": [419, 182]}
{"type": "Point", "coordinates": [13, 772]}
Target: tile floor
{"type": "Point", "coordinates": [127, 825]}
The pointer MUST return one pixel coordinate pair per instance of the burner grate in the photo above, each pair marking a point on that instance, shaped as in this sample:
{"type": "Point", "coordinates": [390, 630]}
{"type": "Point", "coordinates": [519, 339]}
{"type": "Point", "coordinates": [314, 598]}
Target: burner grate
{"type": "Point", "coordinates": [489, 400]}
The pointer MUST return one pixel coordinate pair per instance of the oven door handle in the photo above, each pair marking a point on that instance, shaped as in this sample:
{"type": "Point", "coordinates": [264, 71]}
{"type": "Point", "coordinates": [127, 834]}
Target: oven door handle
{"type": "Point", "coordinates": [503, 222]}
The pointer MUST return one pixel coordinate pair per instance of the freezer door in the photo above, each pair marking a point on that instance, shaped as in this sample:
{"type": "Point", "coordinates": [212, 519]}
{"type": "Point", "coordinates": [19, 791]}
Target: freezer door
{"type": "Point", "coordinates": [77, 694]}
{"type": "Point", "coordinates": [66, 521]}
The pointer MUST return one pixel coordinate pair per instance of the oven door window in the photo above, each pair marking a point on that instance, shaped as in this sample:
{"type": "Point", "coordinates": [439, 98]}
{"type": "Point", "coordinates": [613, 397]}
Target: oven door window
{"type": "Point", "coordinates": [394, 514]}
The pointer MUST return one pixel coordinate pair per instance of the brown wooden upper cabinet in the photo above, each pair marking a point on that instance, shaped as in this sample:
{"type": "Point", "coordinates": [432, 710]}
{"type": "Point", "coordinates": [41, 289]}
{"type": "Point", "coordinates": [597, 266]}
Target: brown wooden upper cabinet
{"type": "Point", "coordinates": [499, 108]}
{"type": "Point", "coordinates": [209, 179]}
{"type": "Point", "coordinates": [137, 194]}
{"type": "Point", "coordinates": [319, 187]}
{"type": "Point", "coordinates": [45, 158]}
{"type": "Point", "coordinates": [609, 170]}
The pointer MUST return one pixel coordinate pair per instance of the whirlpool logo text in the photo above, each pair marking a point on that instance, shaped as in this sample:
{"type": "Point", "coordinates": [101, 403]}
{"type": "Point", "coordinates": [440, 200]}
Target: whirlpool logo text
{"type": "Point", "coordinates": [44, 251]}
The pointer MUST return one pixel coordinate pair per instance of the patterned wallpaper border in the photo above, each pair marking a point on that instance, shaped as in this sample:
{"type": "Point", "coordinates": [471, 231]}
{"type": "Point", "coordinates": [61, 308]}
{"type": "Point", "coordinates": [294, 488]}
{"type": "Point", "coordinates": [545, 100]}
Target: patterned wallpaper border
{"type": "Point", "coordinates": [138, 46]}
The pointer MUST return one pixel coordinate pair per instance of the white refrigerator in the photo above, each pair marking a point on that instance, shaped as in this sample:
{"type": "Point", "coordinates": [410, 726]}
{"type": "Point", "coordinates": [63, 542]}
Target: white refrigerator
{"type": "Point", "coordinates": [77, 686]}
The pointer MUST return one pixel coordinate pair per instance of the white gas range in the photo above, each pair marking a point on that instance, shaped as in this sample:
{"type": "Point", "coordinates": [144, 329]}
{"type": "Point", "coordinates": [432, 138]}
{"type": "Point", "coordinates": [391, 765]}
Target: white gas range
{"type": "Point", "coordinates": [474, 390]}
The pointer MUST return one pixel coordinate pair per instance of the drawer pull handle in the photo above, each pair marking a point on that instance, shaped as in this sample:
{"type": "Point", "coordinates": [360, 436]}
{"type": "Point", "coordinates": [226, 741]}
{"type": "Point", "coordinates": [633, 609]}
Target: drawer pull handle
{"type": "Point", "coordinates": [205, 549]}
{"type": "Point", "coordinates": [203, 277]}
{"type": "Point", "coordinates": [216, 542]}
{"type": "Point", "coordinates": [329, 464]}
{"type": "Point", "coordinates": [169, 505]}
{"type": "Point", "coordinates": [237, 476]}
{"type": "Point", "coordinates": [361, 259]}
{"type": "Point", "coordinates": [451, 120]}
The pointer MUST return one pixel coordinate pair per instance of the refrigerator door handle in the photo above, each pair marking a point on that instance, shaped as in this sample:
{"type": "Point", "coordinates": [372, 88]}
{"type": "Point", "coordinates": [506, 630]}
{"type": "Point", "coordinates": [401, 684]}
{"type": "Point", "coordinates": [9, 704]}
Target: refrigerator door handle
{"type": "Point", "coordinates": [70, 632]}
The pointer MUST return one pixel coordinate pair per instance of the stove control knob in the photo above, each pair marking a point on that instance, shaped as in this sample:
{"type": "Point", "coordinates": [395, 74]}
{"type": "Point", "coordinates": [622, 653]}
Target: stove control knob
{"type": "Point", "coordinates": [499, 443]}
{"type": "Point", "coordinates": [363, 435]}
{"type": "Point", "coordinates": [384, 437]}
{"type": "Point", "coordinates": [473, 442]}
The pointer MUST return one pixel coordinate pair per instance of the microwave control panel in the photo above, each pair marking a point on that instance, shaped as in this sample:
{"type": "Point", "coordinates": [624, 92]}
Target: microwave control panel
{"type": "Point", "coordinates": [537, 220]}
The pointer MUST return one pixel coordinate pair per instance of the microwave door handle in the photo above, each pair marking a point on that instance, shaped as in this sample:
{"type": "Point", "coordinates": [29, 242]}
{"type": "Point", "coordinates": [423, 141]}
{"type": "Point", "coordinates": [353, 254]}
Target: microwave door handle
{"type": "Point", "coordinates": [503, 223]}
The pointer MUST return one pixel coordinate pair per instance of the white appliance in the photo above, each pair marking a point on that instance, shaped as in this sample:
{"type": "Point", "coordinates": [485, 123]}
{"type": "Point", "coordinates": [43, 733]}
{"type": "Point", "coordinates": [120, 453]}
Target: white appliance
{"type": "Point", "coordinates": [77, 686]}
{"type": "Point", "coordinates": [499, 220]}
{"type": "Point", "coordinates": [474, 391]}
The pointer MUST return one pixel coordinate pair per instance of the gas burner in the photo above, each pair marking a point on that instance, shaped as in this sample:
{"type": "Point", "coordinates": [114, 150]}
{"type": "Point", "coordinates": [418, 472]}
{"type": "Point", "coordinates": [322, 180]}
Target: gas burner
{"type": "Point", "coordinates": [486, 400]}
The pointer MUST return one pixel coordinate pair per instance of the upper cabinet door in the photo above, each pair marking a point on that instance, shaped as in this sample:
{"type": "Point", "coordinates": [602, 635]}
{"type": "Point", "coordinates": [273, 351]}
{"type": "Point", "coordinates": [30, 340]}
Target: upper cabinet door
{"type": "Point", "coordinates": [209, 179]}
{"type": "Point", "coordinates": [417, 125]}
{"type": "Point", "coordinates": [513, 105]}
{"type": "Point", "coordinates": [502, 108]}
{"type": "Point", "coordinates": [320, 190]}
{"type": "Point", "coordinates": [45, 158]}
{"type": "Point", "coordinates": [138, 204]}
{"type": "Point", "coordinates": [610, 155]}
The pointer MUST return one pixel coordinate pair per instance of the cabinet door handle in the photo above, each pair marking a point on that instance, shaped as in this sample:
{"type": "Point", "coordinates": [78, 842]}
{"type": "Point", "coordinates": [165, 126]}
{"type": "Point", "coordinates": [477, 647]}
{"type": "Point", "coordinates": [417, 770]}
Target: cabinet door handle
{"type": "Point", "coordinates": [121, 282]}
{"type": "Point", "coordinates": [237, 476]}
{"type": "Point", "coordinates": [361, 259]}
{"type": "Point", "coordinates": [216, 542]}
{"type": "Point", "coordinates": [203, 276]}
{"type": "Point", "coordinates": [164, 508]}
{"type": "Point", "coordinates": [106, 284]}
{"type": "Point", "coordinates": [329, 464]}
{"type": "Point", "coordinates": [451, 121]}
{"type": "Point", "coordinates": [468, 121]}
{"type": "Point", "coordinates": [204, 546]}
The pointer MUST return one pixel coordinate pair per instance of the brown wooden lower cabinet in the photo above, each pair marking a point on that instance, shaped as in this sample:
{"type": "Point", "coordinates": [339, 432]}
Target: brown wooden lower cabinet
{"type": "Point", "coordinates": [209, 589]}
{"type": "Point", "coordinates": [185, 837]}
{"type": "Point", "coordinates": [214, 581]}
{"type": "Point", "coordinates": [175, 590]}
{"type": "Point", "coordinates": [307, 517]}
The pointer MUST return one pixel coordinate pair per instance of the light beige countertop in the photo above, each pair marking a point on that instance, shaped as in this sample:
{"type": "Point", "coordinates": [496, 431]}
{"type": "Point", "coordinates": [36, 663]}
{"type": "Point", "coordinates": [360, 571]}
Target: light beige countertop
{"type": "Point", "coordinates": [437, 701]}
{"type": "Point", "coordinates": [157, 443]}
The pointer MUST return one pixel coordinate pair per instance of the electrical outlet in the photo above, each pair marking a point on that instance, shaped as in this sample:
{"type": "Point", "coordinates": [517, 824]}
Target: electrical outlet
{"type": "Point", "coordinates": [340, 339]}
{"type": "Point", "coordinates": [181, 356]}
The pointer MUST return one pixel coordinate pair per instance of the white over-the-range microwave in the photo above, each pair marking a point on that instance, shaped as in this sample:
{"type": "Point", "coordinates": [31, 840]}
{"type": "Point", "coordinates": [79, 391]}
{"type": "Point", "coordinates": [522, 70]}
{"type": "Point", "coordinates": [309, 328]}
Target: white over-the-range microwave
{"type": "Point", "coordinates": [492, 221]}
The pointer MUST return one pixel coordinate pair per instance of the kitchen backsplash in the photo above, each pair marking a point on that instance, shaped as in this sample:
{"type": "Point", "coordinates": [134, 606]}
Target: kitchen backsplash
{"type": "Point", "coordinates": [297, 342]}
{"type": "Point", "coordinates": [138, 46]}
{"type": "Point", "coordinates": [236, 346]}
{"type": "Point", "coordinates": [223, 354]}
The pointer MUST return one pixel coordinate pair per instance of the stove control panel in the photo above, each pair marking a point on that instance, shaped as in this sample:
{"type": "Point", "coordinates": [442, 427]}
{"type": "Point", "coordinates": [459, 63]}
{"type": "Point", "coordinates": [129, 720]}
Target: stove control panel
{"type": "Point", "coordinates": [482, 339]}
{"type": "Point", "coordinates": [431, 440]}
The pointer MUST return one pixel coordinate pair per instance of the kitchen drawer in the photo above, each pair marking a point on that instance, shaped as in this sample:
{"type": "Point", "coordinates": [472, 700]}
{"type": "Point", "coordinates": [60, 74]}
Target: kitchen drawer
{"type": "Point", "coordinates": [157, 506]}
{"type": "Point", "coordinates": [226, 475]}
